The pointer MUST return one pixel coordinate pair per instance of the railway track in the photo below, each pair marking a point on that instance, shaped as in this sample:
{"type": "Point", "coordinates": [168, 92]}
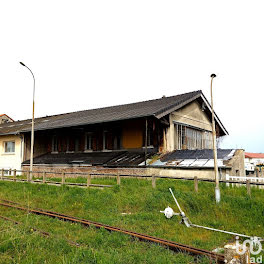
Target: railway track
{"type": "Point", "coordinates": [71, 184]}
{"type": "Point", "coordinates": [219, 258]}
{"type": "Point", "coordinates": [41, 232]}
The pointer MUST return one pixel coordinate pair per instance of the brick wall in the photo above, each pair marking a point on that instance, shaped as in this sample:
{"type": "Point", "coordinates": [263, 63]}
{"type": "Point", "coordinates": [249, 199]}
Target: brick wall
{"type": "Point", "coordinates": [206, 173]}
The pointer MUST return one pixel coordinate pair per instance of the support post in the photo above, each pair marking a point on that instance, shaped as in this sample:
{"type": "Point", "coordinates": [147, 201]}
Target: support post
{"type": "Point", "coordinates": [196, 184]}
{"type": "Point", "coordinates": [146, 141]}
{"type": "Point", "coordinates": [118, 180]}
{"type": "Point", "coordinates": [28, 175]}
{"type": "Point", "coordinates": [2, 174]}
{"type": "Point", "coordinates": [44, 177]}
{"type": "Point", "coordinates": [88, 180]}
{"type": "Point", "coordinates": [63, 178]}
{"type": "Point", "coordinates": [248, 188]}
{"type": "Point", "coordinates": [10, 172]}
{"type": "Point", "coordinates": [227, 179]}
{"type": "Point", "coordinates": [153, 181]}
{"type": "Point", "coordinates": [14, 175]}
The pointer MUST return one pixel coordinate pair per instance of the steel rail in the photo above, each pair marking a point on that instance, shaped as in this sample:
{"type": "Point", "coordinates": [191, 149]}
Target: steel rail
{"type": "Point", "coordinates": [170, 244]}
{"type": "Point", "coordinates": [41, 232]}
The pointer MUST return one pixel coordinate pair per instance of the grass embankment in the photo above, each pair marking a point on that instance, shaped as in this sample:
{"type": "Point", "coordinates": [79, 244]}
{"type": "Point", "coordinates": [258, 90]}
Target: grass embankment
{"type": "Point", "coordinates": [134, 206]}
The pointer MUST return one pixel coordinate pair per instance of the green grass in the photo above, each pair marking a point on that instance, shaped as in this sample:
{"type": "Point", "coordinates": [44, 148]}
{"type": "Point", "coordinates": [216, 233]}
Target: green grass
{"type": "Point", "coordinates": [134, 206]}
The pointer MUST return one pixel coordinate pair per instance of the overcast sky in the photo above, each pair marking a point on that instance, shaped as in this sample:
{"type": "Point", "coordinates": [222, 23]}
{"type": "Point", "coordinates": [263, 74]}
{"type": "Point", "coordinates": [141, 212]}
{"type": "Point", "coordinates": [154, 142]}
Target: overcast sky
{"type": "Point", "coordinates": [89, 54]}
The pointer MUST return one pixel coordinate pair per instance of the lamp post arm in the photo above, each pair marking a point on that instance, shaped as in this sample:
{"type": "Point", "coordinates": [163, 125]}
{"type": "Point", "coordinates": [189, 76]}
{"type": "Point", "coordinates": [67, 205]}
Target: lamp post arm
{"type": "Point", "coordinates": [34, 81]}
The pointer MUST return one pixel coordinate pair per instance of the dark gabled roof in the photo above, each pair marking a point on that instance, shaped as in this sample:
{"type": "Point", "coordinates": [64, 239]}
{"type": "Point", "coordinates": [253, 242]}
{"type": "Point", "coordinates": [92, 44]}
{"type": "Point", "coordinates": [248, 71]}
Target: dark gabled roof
{"type": "Point", "coordinates": [156, 108]}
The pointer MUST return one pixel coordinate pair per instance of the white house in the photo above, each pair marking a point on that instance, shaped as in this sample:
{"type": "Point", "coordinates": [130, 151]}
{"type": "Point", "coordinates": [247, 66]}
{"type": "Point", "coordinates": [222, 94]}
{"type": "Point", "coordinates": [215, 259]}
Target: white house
{"type": "Point", "coordinates": [252, 160]}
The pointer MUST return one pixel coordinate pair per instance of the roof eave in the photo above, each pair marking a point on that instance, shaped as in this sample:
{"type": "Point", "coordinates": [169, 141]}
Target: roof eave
{"type": "Point", "coordinates": [162, 114]}
{"type": "Point", "coordinates": [174, 108]}
{"type": "Point", "coordinates": [83, 124]}
{"type": "Point", "coordinates": [216, 117]}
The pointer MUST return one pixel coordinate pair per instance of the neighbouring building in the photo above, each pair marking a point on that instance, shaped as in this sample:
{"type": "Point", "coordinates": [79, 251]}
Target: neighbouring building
{"type": "Point", "coordinates": [252, 161]}
{"type": "Point", "coordinates": [9, 157]}
{"type": "Point", "coordinates": [123, 135]}
{"type": "Point", "coordinates": [5, 119]}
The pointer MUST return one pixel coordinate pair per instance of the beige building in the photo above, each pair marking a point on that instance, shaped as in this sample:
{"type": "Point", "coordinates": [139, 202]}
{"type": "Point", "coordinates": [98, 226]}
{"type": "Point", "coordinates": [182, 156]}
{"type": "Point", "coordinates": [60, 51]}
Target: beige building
{"type": "Point", "coordinates": [11, 152]}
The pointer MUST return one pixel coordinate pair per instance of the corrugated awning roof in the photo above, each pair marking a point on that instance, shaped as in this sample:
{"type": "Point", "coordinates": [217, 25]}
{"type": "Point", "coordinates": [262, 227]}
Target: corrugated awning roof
{"type": "Point", "coordinates": [203, 158]}
{"type": "Point", "coordinates": [118, 158]}
{"type": "Point", "coordinates": [198, 154]}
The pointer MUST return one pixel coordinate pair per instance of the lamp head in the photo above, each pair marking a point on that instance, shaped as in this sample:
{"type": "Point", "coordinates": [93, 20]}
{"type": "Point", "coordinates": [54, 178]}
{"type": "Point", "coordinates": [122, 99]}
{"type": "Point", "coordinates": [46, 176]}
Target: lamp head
{"type": "Point", "coordinates": [22, 64]}
{"type": "Point", "coordinates": [213, 75]}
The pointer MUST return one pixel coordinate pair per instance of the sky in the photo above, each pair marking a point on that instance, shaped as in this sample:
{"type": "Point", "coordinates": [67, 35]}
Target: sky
{"type": "Point", "coordinates": [89, 54]}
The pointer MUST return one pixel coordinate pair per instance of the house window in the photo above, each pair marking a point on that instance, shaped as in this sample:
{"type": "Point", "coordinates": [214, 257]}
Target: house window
{"type": "Point", "coordinates": [89, 141]}
{"type": "Point", "coordinates": [54, 144]}
{"type": "Point", "coordinates": [9, 147]}
{"type": "Point", "coordinates": [7, 172]}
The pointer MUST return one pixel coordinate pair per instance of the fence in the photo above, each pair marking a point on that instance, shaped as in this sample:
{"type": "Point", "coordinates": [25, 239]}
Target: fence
{"type": "Point", "coordinates": [243, 179]}
{"type": "Point", "coordinates": [42, 177]}
{"type": "Point", "coordinates": [13, 175]}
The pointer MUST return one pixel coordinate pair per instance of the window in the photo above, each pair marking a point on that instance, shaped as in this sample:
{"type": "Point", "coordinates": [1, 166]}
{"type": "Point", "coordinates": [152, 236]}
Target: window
{"type": "Point", "coordinates": [68, 144]}
{"type": "Point", "coordinates": [192, 138]}
{"type": "Point", "coordinates": [89, 141]}
{"type": "Point", "coordinates": [105, 141]}
{"type": "Point", "coordinates": [9, 147]}
{"type": "Point", "coordinates": [149, 134]}
{"type": "Point", "coordinates": [54, 144]}
{"type": "Point", "coordinates": [8, 172]}
{"type": "Point", "coordinates": [77, 144]}
{"type": "Point", "coordinates": [117, 141]}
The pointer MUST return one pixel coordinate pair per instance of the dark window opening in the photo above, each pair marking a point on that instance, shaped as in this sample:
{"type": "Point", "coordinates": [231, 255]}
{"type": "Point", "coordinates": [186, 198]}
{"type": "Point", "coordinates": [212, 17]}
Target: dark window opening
{"type": "Point", "coordinates": [54, 144]}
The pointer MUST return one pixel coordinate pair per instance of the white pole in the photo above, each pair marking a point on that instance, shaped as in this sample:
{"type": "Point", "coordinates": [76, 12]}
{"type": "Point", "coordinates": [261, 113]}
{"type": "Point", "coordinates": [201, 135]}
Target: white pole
{"type": "Point", "coordinates": [217, 189]}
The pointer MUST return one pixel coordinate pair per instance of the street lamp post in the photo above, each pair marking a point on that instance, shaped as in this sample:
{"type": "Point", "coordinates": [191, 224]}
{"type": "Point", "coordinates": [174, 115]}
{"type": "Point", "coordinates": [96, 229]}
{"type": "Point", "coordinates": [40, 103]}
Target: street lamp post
{"type": "Point", "coordinates": [217, 189]}
{"type": "Point", "coordinates": [32, 129]}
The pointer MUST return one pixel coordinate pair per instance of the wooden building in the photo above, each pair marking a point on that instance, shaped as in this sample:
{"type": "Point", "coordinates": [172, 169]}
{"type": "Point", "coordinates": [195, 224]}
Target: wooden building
{"type": "Point", "coordinates": [128, 133]}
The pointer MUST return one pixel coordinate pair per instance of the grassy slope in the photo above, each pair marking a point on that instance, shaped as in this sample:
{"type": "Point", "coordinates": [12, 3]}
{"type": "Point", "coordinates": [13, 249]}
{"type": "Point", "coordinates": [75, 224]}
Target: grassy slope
{"type": "Point", "coordinates": [236, 213]}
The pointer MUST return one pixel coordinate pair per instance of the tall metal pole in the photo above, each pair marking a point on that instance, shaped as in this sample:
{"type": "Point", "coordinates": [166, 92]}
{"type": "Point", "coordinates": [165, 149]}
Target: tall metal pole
{"type": "Point", "coordinates": [32, 128]}
{"type": "Point", "coordinates": [217, 189]}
